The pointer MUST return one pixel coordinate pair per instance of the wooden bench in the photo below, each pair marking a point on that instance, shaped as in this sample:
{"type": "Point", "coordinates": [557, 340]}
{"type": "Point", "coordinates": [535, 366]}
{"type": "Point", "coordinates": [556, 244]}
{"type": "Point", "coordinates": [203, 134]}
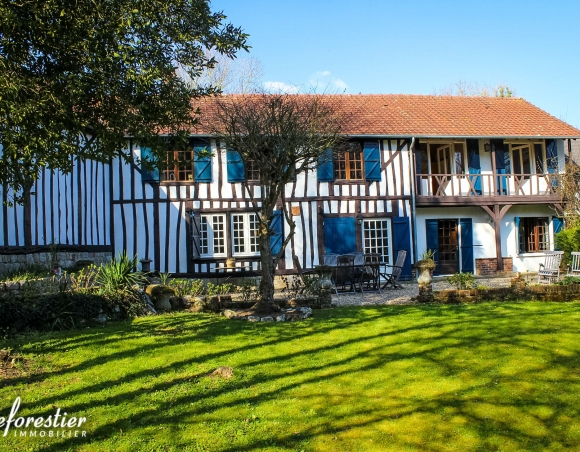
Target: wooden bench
{"type": "Point", "coordinates": [549, 271]}
{"type": "Point", "coordinates": [574, 267]}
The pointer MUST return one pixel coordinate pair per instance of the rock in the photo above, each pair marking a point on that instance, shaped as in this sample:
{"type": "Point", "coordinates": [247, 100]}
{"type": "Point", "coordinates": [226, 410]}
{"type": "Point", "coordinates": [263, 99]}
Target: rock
{"type": "Point", "coordinates": [101, 318]}
{"type": "Point", "coordinates": [223, 372]}
{"type": "Point", "coordinates": [230, 314]}
{"type": "Point", "coordinates": [177, 303]}
{"type": "Point", "coordinates": [267, 319]}
{"type": "Point", "coordinates": [306, 310]}
{"type": "Point", "coordinates": [13, 285]}
{"type": "Point", "coordinates": [253, 318]}
{"type": "Point", "coordinates": [281, 318]}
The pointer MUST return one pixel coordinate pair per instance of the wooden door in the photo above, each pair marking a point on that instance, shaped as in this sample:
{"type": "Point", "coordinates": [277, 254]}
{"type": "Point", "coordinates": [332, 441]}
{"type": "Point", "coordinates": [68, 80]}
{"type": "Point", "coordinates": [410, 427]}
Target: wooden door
{"type": "Point", "coordinates": [448, 246]}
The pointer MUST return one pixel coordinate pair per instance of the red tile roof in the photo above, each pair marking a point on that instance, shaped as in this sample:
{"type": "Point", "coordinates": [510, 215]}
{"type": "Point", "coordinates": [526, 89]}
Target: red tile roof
{"type": "Point", "coordinates": [401, 115]}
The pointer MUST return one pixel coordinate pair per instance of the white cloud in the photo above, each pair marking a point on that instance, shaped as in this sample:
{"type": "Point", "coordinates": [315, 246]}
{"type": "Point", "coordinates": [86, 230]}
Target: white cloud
{"type": "Point", "coordinates": [323, 81]}
{"type": "Point", "coordinates": [281, 87]}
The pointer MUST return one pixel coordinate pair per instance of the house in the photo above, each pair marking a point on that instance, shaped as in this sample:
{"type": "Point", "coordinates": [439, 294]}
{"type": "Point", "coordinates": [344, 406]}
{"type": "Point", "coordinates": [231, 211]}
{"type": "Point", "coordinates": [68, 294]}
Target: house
{"type": "Point", "coordinates": [473, 178]}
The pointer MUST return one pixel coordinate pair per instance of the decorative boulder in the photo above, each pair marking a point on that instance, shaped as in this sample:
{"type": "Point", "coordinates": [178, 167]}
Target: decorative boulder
{"type": "Point", "coordinates": [160, 295]}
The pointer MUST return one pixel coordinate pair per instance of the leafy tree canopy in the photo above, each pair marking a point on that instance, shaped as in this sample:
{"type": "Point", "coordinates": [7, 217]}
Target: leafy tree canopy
{"type": "Point", "coordinates": [78, 77]}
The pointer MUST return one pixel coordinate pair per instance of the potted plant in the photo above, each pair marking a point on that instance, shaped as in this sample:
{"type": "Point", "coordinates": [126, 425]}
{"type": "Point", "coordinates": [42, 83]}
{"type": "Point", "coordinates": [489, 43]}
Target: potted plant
{"type": "Point", "coordinates": [426, 264]}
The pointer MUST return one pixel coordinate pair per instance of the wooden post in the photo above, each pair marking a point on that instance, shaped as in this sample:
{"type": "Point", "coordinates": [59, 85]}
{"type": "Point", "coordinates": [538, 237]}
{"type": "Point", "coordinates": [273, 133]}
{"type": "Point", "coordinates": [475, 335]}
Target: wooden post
{"type": "Point", "coordinates": [497, 225]}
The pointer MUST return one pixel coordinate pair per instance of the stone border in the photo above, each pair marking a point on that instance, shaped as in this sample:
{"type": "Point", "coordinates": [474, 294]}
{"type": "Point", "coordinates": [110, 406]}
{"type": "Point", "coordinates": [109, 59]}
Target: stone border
{"type": "Point", "coordinates": [285, 315]}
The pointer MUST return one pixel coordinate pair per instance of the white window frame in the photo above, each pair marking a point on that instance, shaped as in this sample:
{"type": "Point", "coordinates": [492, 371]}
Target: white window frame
{"type": "Point", "coordinates": [208, 235]}
{"type": "Point", "coordinates": [451, 144]}
{"type": "Point", "coordinates": [532, 147]}
{"type": "Point", "coordinates": [248, 240]}
{"type": "Point", "coordinates": [389, 239]}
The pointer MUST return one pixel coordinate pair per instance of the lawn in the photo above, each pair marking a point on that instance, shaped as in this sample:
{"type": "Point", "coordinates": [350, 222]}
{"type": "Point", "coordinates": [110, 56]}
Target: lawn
{"type": "Point", "coordinates": [428, 378]}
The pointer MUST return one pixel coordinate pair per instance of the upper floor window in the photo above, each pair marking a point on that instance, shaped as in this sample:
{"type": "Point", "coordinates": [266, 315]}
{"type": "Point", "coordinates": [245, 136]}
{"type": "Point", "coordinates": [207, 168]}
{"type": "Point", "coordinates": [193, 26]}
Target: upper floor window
{"type": "Point", "coordinates": [527, 158]}
{"type": "Point", "coordinates": [349, 163]}
{"type": "Point", "coordinates": [178, 166]}
{"type": "Point", "coordinates": [252, 171]}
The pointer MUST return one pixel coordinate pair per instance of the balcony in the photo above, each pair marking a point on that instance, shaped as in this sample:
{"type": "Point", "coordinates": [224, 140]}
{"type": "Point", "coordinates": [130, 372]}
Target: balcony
{"type": "Point", "coordinates": [478, 189]}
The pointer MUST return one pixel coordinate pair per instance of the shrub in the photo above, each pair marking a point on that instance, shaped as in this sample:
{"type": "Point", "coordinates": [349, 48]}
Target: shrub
{"type": "Point", "coordinates": [462, 281]}
{"type": "Point", "coordinates": [33, 271]}
{"type": "Point", "coordinates": [249, 289]}
{"type": "Point", "coordinates": [568, 240]}
{"type": "Point", "coordinates": [567, 280]}
{"type": "Point", "coordinates": [183, 287]}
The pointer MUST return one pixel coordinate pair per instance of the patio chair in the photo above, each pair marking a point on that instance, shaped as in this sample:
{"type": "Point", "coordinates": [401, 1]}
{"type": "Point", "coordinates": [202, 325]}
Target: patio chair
{"type": "Point", "coordinates": [369, 274]}
{"type": "Point", "coordinates": [344, 275]}
{"type": "Point", "coordinates": [574, 266]}
{"type": "Point", "coordinates": [329, 259]}
{"type": "Point", "coordinates": [549, 271]}
{"type": "Point", "coordinates": [392, 278]}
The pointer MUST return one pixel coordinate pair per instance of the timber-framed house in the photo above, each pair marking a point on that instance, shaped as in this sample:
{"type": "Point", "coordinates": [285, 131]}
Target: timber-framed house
{"type": "Point", "coordinates": [473, 178]}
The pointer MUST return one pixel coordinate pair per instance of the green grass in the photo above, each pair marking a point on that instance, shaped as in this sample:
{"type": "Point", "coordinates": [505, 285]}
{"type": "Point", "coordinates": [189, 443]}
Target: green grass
{"type": "Point", "coordinates": [427, 378]}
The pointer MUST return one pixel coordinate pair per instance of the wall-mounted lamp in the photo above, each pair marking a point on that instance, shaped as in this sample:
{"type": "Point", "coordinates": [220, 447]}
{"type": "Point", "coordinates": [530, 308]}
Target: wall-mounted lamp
{"type": "Point", "coordinates": [191, 214]}
{"type": "Point", "coordinates": [359, 219]}
{"type": "Point", "coordinates": [487, 147]}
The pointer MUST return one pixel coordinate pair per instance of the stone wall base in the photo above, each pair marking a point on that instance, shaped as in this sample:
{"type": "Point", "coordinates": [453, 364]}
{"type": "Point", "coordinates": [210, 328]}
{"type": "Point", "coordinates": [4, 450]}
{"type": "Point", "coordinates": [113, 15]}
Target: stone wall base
{"type": "Point", "coordinates": [488, 266]}
{"type": "Point", "coordinates": [66, 260]}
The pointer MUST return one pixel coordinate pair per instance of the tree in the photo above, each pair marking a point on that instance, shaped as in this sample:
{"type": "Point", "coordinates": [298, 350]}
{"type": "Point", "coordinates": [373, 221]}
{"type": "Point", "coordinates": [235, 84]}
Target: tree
{"type": "Point", "coordinates": [78, 77]}
{"type": "Point", "coordinates": [282, 135]}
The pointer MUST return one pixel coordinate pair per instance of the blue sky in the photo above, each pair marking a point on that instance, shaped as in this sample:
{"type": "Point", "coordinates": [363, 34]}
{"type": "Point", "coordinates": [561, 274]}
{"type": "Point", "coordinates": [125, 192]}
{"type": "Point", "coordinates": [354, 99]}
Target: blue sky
{"type": "Point", "coordinates": [419, 47]}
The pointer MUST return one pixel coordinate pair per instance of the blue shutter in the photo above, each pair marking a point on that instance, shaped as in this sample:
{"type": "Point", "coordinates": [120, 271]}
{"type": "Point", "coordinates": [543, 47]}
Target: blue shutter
{"type": "Point", "coordinates": [474, 164]}
{"type": "Point", "coordinates": [340, 235]}
{"type": "Point", "coordinates": [517, 227]}
{"type": "Point", "coordinates": [148, 174]}
{"type": "Point", "coordinates": [276, 238]}
{"type": "Point", "coordinates": [466, 245]}
{"type": "Point", "coordinates": [557, 224]}
{"type": "Point", "coordinates": [236, 170]}
{"type": "Point", "coordinates": [326, 167]}
{"type": "Point", "coordinates": [552, 156]}
{"type": "Point", "coordinates": [372, 154]}
{"type": "Point", "coordinates": [201, 165]}
{"type": "Point", "coordinates": [402, 241]}
{"type": "Point", "coordinates": [502, 165]}
{"type": "Point", "coordinates": [432, 229]}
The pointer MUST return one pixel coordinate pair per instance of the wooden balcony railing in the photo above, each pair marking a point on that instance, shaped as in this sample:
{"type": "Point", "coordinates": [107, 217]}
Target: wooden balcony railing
{"type": "Point", "coordinates": [458, 185]}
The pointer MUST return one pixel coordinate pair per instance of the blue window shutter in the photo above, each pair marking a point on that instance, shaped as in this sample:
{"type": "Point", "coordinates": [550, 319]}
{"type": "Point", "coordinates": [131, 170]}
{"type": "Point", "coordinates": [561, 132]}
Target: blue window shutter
{"type": "Point", "coordinates": [466, 245]}
{"type": "Point", "coordinates": [340, 235]}
{"type": "Point", "coordinates": [276, 227]}
{"type": "Point", "coordinates": [557, 224]}
{"type": "Point", "coordinates": [474, 164]}
{"type": "Point", "coordinates": [326, 167]}
{"type": "Point", "coordinates": [432, 229]}
{"type": "Point", "coordinates": [201, 165]}
{"type": "Point", "coordinates": [502, 165]}
{"type": "Point", "coordinates": [517, 228]}
{"type": "Point", "coordinates": [372, 154]}
{"type": "Point", "coordinates": [148, 174]}
{"type": "Point", "coordinates": [552, 156]}
{"type": "Point", "coordinates": [402, 241]}
{"type": "Point", "coordinates": [236, 170]}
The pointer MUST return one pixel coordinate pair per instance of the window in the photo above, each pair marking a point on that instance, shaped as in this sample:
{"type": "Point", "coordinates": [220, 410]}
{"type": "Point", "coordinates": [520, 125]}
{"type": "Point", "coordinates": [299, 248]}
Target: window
{"type": "Point", "coordinates": [444, 158]}
{"type": "Point", "coordinates": [178, 166]}
{"type": "Point", "coordinates": [533, 235]}
{"type": "Point", "coordinates": [245, 234]}
{"type": "Point", "coordinates": [212, 235]}
{"type": "Point", "coordinates": [252, 171]}
{"type": "Point", "coordinates": [376, 238]}
{"type": "Point", "coordinates": [528, 158]}
{"type": "Point", "coordinates": [349, 163]}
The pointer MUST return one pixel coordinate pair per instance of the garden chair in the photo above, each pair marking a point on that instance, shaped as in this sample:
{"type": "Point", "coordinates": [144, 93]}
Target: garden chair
{"type": "Point", "coordinates": [329, 259]}
{"type": "Point", "coordinates": [574, 266]}
{"type": "Point", "coordinates": [369, 275]}
{"type": "Point", "coordinates": [392, 278]}
{"type": "Point", "coordinates": [344, 275]}
{"type": "Point", "coordinates": [549, 271]}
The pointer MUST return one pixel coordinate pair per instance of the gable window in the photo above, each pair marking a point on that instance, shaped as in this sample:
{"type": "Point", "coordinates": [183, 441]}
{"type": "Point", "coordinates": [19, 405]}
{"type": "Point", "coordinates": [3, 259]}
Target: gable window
{"type": "Point", "coordinates": [178, 166]}
{"type": "Point", "coordinates": [212, 235]}
{"type": "Point", "coordinates": [533, 235]}
{"type": "Point", "coordinates": [252, 171]}
{"type": "Point", "coordinates": [349, 163]}
{"type": "Point", "coordinates": [245, 234]}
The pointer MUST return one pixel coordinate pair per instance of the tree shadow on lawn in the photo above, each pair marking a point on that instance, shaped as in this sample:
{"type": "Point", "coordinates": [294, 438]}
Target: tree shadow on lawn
{"type": "Point", "coordinates": [379, 360]}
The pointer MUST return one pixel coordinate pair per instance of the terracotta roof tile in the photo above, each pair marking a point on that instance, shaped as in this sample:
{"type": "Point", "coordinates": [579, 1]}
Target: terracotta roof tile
{"type": "Point", "coordinates": [436, 116]}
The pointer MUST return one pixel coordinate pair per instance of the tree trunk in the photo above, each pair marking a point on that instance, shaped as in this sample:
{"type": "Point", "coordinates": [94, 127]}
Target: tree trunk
{"type": "Point", "coordinates": [268, 269]}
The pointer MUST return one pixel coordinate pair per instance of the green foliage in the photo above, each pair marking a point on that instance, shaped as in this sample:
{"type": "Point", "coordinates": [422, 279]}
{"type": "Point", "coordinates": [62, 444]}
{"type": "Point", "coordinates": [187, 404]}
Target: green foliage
{"type": "Point", "coordinates": [26, 273]}
{"type": "Point", "coordinates": [218, 289]}
{"type": "Point", "coordinates": [182, 287]}
{"type": "Point", "coordinates": [164, 277]}
{"type": "Point", "coordinates": [249, 289]}
{"type": "Point", "coordinates": [462, 281]}
{"type": "Point", "coordinates": [427, 255]}
{"type": "Point", "coordinates": [566, 280]}
{"type": "Point", "coordinates": [568, 240]}
{"type": "Point", "coordinates": [84, 280]}
{"type": "Point", "coordinates": [119, 274]}
{"type": "Point", "coordinates": [75, 82]}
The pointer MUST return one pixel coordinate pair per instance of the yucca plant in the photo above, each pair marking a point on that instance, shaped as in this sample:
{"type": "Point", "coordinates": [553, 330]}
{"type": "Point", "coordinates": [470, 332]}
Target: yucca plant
{"type": "Point", "coordinates": [120, 274]}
